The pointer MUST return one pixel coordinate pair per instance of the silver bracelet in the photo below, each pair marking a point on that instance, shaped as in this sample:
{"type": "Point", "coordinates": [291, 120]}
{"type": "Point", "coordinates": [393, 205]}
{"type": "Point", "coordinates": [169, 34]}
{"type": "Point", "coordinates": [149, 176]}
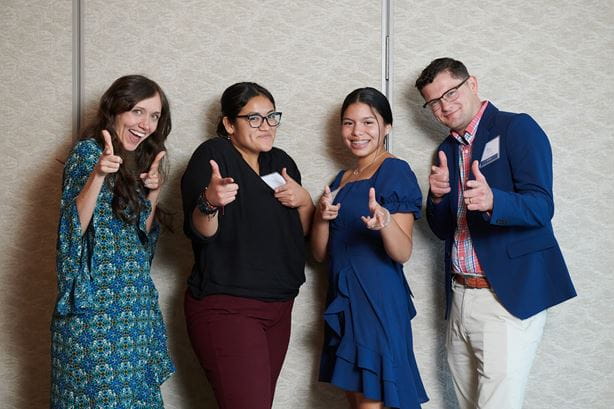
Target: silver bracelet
{"type": "Point", "coordinates": [388, 218]}
{"type": "Point", "coordinates": [386, 221]}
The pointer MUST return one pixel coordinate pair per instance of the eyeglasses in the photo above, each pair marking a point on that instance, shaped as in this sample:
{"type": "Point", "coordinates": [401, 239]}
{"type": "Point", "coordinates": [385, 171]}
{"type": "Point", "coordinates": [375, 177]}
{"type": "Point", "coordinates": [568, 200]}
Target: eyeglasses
{"type": "Point", "coordinates": [255, 120]}
{"type": "Point", "coordinates": [448, 96]}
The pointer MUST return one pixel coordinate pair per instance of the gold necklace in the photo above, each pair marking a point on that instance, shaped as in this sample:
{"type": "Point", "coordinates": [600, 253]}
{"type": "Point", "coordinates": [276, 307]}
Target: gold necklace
{"type": "Point", "coordinates": [358, 171]}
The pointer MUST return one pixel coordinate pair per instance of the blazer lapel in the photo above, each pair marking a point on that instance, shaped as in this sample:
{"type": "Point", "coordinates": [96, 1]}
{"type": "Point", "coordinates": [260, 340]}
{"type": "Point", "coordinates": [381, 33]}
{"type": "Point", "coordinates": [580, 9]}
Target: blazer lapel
{"type": "Point", "coordinates": [483, 136]}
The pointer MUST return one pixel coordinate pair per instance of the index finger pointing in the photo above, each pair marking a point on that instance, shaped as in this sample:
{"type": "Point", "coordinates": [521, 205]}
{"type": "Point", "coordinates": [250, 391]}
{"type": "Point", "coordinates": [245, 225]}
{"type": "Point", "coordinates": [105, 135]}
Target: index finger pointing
{"type": "Point", "coordinates": [215, 169]}
{"type": "Point", "coordinates": [156, 163]}
{"type": "Point", "coordinates": [443, 159]}
{"type": "Point", "coordinates": [475, 167]}
{"type": "Point", "coordinates": [108, 143]}
{"type": "Point", "coordinates": [284, 174]}
{"type": "Point", "coordinates": [372, 200]}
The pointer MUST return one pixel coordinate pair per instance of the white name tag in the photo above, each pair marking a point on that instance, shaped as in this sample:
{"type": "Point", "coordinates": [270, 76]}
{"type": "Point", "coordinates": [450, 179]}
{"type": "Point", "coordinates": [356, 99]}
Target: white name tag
{"type": "Point", "coordinates": [274, 180]}
{"type": "Point", "coordinates": [491, 152]}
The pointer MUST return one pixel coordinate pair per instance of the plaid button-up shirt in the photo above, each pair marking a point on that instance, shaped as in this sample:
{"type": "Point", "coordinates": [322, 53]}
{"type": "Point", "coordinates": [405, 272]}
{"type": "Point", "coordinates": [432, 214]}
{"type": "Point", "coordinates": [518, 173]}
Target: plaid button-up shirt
{"type": "Point", "coordinates": [464, 259]}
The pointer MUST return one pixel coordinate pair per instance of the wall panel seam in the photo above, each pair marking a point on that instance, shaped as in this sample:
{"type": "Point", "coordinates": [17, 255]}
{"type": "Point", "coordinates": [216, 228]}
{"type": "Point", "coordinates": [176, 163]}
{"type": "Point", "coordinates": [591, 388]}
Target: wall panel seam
{"type": "Point", "coordinates": [386, 65]}
{"type": "Point", "coordinates": [77, 66]}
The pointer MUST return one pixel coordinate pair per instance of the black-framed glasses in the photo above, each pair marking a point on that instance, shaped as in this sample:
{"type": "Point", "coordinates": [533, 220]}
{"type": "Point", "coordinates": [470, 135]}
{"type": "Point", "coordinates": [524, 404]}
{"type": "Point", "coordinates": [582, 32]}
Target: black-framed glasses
{"type": "Point", "coordinates": [448, 96]}
{"type": "Point", "coordinates": [255, 120]}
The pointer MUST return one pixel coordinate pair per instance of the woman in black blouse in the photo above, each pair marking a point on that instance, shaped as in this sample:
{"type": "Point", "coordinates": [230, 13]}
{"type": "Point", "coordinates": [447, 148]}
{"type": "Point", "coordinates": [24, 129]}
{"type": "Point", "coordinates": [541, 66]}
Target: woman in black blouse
{"type": "Point", "coordinates": [246, 214]}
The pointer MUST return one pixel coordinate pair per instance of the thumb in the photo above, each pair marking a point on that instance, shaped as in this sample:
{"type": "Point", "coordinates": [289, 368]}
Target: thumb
{"type": "Point", "coordinates": [327, 197]}
{"type": "Point", "coordinates": [372, 201]}
{"type": "Point", "coordinates": [475, 168]}
{"type": "Point", "coordinates": [156, 163]}
{"type": "Point", "coordinates": [108, 144]}
{"type": "Point", "coordinates": [285, 175]}
{"type": "Point", "coordinates": [443, 160]}
{"type": "Point", "coordinates": [215, 169]}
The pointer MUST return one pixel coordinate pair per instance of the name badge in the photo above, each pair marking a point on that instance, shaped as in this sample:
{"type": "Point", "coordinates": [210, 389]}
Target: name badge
{"type": "Point", "coordinates": [274, 180]}
{"type": "Point", "coordinates": [491, 152]}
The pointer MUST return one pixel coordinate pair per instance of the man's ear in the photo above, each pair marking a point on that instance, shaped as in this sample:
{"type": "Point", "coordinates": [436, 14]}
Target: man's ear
{"type": "Point", "coordinates": [473, 84]}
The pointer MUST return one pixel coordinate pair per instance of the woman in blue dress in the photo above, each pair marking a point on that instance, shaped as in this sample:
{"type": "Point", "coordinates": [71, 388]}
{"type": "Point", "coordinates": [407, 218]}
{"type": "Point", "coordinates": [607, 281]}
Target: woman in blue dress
{"type": "Point", "coordinates": [363, 222]}
{"type": "Point", "coordinates": [109, 345]}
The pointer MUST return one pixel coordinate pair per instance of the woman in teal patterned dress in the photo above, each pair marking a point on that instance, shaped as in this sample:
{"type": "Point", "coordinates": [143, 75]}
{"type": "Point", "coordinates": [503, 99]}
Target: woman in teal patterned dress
{"type": "Point", "coordinates": [109, 346]}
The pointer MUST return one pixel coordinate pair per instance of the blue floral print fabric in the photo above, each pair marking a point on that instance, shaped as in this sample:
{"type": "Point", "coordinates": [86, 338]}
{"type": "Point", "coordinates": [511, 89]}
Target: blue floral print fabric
{"type": "Point", "coordinates": [109, 346]}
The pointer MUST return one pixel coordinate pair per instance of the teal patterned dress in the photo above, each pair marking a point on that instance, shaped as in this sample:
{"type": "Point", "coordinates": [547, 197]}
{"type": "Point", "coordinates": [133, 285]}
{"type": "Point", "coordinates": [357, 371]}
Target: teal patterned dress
{"type": "Point", "coordinates": [109, 347]}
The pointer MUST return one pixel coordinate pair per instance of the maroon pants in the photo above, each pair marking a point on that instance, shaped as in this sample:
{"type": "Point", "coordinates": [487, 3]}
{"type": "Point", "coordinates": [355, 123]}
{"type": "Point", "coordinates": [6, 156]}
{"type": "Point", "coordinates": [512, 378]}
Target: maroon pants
{"type": "Point", "coordinates": [241, 344]}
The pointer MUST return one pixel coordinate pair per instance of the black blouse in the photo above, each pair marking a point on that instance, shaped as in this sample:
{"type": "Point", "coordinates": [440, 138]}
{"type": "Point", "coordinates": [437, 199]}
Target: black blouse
{"type": "Point", "coordinates": [258, 250]}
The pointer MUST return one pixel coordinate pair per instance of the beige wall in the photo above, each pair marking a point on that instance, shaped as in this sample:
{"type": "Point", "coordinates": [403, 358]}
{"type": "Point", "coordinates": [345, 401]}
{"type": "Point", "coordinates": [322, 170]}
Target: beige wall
{"type": "Point", "coordinates": [35, 129]}
{"type": "Point", "coordinates": [550, 60]}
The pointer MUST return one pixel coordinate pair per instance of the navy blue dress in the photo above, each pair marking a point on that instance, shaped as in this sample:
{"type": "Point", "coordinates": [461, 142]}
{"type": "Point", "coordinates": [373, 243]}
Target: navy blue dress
{"type": "Point", "coordinates": [368, 340]}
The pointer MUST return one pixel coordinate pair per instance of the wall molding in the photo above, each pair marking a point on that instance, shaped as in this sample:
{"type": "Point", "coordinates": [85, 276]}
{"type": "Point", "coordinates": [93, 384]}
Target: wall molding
{"type": "Point", "coordinates": [387, 57]}
{"type": "Point", "coordinates": [77, 67]}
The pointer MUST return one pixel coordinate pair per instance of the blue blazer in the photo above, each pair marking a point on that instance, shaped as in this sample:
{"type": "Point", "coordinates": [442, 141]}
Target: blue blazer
{"type": "Point", "coordinates": [515, 245]}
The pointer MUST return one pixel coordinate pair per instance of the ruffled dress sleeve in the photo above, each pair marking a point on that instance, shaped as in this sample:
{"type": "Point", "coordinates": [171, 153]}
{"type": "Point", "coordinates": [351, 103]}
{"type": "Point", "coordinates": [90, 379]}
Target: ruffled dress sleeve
{"type": "Point", "coordinates": [73, 259]}
{"type": "Point", "coordinates": [396, 188]}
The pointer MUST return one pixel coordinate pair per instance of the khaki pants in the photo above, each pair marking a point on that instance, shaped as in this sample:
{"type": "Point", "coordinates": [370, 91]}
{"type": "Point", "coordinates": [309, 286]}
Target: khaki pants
{"type": "Point", "coordinates": [490, 352]}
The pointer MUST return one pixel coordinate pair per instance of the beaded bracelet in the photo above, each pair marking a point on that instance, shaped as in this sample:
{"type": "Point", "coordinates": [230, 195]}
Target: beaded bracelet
{"type": "Point", "coordinates": [205, 206]}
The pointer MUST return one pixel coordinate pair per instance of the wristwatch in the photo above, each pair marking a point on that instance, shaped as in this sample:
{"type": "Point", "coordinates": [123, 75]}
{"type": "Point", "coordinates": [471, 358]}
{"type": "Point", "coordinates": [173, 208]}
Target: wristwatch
{"type": "Point", "coordinates": [204, 206]}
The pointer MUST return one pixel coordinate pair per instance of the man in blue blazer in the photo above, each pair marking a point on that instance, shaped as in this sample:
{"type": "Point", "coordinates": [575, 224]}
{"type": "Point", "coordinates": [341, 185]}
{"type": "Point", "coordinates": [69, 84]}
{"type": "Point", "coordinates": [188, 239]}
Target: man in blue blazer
{"type": "Point", "coordinates": [491, 200]}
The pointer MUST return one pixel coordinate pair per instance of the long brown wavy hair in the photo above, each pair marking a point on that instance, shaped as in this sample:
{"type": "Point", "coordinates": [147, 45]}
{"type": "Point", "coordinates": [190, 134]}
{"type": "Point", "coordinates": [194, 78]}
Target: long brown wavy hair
{"type": "Point", "coordinates": [128, 189]}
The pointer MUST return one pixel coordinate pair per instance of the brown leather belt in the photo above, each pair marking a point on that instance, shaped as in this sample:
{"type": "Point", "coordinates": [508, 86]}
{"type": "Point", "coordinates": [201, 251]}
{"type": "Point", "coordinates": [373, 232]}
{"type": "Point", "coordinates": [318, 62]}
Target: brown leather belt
{"type": "Point", "coordinates": [471, 282]}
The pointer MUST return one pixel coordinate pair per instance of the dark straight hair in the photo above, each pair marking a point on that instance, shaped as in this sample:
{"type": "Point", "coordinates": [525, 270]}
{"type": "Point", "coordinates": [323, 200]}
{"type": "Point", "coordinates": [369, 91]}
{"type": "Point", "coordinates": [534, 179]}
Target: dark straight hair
{"type": "Point", "coordinates": [371, 97]}
{"type": "Point", "coordinates": [235, 98]}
